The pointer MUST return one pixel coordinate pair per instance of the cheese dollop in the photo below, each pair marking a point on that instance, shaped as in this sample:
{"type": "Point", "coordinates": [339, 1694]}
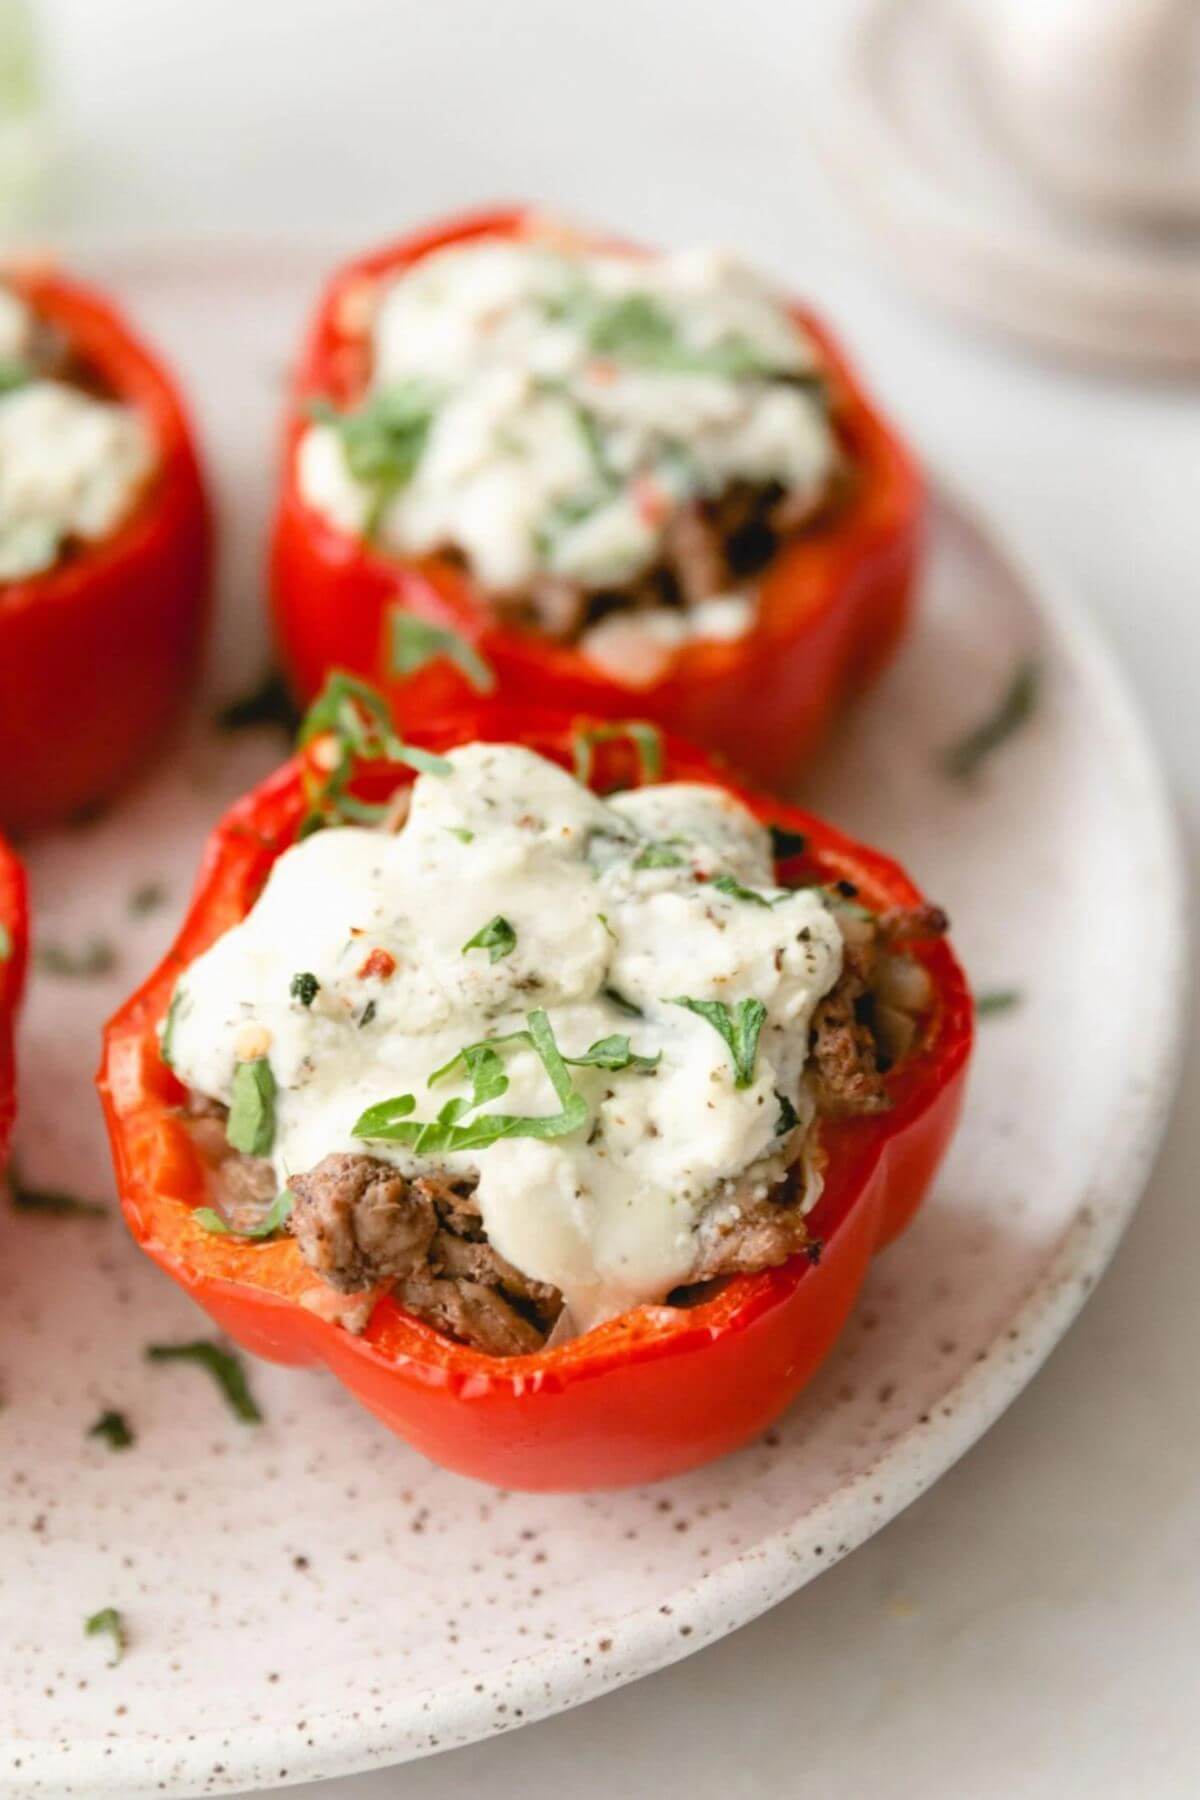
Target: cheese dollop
{"type": "Point", "coordinates": [572, 400]}
{"type": "Point", "coordinates": [614, 916]}
{"type": "Point", "coordinates": [71, 466]}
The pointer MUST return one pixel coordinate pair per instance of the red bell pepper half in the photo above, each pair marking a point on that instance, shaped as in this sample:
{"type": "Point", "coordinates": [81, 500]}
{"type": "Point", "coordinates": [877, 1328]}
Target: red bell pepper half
{"type": "Point", "coordinates": [14, 933]}
{"type": "Point", "coordinates": [97, 652]}
{"type": "Point", "coordinates": [656, 1391]}
{"type": "Point", "coordinates": [832, 607]}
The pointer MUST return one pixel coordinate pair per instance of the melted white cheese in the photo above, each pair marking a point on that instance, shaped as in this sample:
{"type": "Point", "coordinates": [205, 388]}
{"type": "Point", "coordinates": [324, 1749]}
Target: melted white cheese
{"type": "Point", "coordinates": [546, 453]}
{"type": "Point", "coordinates": [609, 1214]}
{"type": "Point", "coordinates": [71, 466]}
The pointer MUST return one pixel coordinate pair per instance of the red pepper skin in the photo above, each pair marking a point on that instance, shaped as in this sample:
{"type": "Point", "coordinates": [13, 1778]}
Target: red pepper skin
{"type": "Point", "coordinates": [833, 605]}
{"type": "Point", "coordinates": [647, 1395]}
{"type": "Point", "coordinates": [14, 937]}
{"type": "Point", "coordinates": [97, 653]}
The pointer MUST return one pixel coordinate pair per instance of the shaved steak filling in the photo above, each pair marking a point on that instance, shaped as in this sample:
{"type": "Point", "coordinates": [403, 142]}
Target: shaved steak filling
{"type": "Point", "coordinates": [361, 1224]}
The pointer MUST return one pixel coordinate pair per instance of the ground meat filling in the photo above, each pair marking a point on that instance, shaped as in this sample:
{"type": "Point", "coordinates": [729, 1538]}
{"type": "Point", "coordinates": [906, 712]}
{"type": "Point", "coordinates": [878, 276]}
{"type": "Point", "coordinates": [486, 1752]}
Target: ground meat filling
{"type": "Point", "coordinates": [360, 1224]}
{"type": "Point", "coordinates": [710, 547]}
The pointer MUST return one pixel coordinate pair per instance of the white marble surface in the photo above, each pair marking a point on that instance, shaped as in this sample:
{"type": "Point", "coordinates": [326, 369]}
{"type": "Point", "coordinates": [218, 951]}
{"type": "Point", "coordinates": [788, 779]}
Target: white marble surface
{"type": "Point", "coordinates": [1029, 1627]}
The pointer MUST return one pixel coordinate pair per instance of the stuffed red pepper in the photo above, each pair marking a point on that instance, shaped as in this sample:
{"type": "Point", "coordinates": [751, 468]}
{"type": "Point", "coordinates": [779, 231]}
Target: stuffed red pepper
{"type": "Point", "coordinates": [607, 480]}
{"type": "Point", "coordinates": [104, 549]}
{"type": "Point", "coordinates": [13, 937]}
{"type": "Point", "coordinates": [548, 1085]}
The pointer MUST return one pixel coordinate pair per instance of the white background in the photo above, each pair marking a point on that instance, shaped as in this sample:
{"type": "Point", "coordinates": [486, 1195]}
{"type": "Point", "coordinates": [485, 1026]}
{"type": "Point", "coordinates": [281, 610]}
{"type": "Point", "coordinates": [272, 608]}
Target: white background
{"type": "Point", "coordinates": [1029, 1628]}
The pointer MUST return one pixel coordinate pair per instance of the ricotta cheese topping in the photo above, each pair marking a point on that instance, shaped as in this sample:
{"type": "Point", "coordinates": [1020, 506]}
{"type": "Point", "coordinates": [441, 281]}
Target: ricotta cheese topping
{"type": "Point", "coordinates": [511, 891]}
{"type": "Point", "coordinates": [547, 410]}
{"type": "Point", "coordinates": [71, 466]}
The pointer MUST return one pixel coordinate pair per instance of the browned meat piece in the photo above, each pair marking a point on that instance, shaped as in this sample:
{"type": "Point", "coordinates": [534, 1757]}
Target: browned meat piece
{"type": "Point", "coordinates": [475, 1261]}
{"type": "Point", "coordinates": [359, 1223]}
{"type": "Point", "coordinates": [843, 1053]}
{"type": "Point", "coordinates": [872, 1012]}
{"type": "Point", "coordinates": [766, 1232]}
{"type": "Point", "coordinates": [476, 1315]}
{"type": "Point", "coordinates": [696, 555]}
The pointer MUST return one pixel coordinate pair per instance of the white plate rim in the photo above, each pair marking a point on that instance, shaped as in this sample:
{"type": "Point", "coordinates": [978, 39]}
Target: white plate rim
{"type": "Point", "coordinates": [740, 1589]}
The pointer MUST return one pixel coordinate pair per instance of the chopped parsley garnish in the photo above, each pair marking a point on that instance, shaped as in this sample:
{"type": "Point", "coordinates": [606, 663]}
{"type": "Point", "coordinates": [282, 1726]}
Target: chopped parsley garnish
{"type": "Point", "coordinates": [961, 760]}
{"type": "Point", "coordinates": [614, 1053]}
{"type": "Point", "coordinates": [603, 918]}
{"type": "Point", "coordinates": [786, 844]}
{"type": "Point", "coordinates": [619, 1000]}
{"type": "Point", "coordinates": [270, 703]}
{"type": "Point", "coordinates": [788, 1118]}
{"type": "Point", "coordinates": [356, 717]}
{"type": "Point", "coordinates": [51, 1202]}
{"type": "Point", "coordinates": [147, 898]}
{"type": "Point", "coordinates": [6, 943]}
{"type": "Point", "coordinates": [739, 1026]}
{"type": "Point", "coordinates": [304, 988]}
{"type": "Point", "coordinates": [638, 329]}
{"type": "Point", "coordinates": [415, 642]}
{"type": "Point", "coordinates": [108, 1622]}
{"type": "Point", "coordinates": [658, 856]}
{"type": "Point", "coordinates": [96, 957]}
{"type": "Point", "coordinates": [383, 440]}
{"type": "Point", "coordinates": [14, 374]}
{"type": "Point", "coordinates": [497, 937]}
{"type": "Point", "coordinates": [461, 833]}
{"type": "Point", "coordinates": [168, 1031]}
{"type": "Point", "coordinates": [391, 1120]}
{"type": "Point", "coordinates": [251, 1123]}
{"type": "Point", "coordinates": [224, 1367]}
{"type": "Point", "coordinates": [114, 1428]}
{"type": "Point", "coordinates": [273, 1220]}
{"type": "Point", "coordinates": [997, 1000]}
{"type": "Point", "coordinates": [646, 740]}
{"type": "Point", "coordinates": [726, 884]}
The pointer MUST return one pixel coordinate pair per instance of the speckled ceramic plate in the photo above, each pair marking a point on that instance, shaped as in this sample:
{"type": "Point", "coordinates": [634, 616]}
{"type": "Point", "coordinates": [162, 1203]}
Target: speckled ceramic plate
{"type": "Point", "coordinates": [308, 1597]}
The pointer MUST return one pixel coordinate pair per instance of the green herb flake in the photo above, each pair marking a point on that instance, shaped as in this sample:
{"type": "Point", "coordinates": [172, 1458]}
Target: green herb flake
{"type": "Point", "coordinates": [725, 884]}
{"type": "Point", "coordinates": [108, 1622]}
{"type": "Point", "coordinates": [251, 1123]}
{"type": "Point", "coordinates": [629, 1007]}
{"type": "Point", "coordinates": [614, 1053]}
{"type": "Point", "coordinates": [739, 1026]}
{"type": "Point", "coordinates": [1016, 707]}
{"type": "Point", "coordinates": [358, 719]}
{"type": "Point", "coordinates": [49, 1202]}
{"type": "Point", "coordinates": [461, 833]}
{"type": "Point", "coordinates": [787, 844]}
{"type": "Point", "coordinates": [14, 374]}
{"type": "Point", "coordinates": [96, 957]}
{"type": "Point", "coordinates": [6, 943]}
{"type": "Point", "coordinates": [603, 918]}
{"type": "Point", "coordinates": [224, 1367]}
{"type": "Point", "coordinates": [415, 642]}
{"type": "Point", "coordinates": [304, 988]}
{"type": "Point", "coordinates": [272, 1221]}
{"type": "Point", "coordinates": [645, 738]}
{"type": "Point", "coordinates": [997, 1000]}
{"type": "Point", "coordinates": [391, 1121]}
{"type": "Point", "coordinates": [497, 937]}
{"type": "Point", "coordinates": [658, 856]}
{"type": "Point", "coordinates": [270, 703]}
{"type": "Point", "coordinates": [788, 1118]}
{"type": "Point", "coordinates": [383, 440]}
{"type": "Point", "coordinates": [114, 1428]}
{"type": "Point", "coordinates": [147, 898]}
